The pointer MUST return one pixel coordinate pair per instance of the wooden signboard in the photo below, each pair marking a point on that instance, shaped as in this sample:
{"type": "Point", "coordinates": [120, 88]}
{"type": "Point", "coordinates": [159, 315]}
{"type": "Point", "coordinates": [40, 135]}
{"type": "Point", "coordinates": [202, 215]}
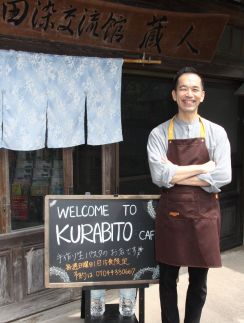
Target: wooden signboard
{"type": "Point", "coordinates": [99, 240]}
{"type": "Point", "coordinates": [106, 25]}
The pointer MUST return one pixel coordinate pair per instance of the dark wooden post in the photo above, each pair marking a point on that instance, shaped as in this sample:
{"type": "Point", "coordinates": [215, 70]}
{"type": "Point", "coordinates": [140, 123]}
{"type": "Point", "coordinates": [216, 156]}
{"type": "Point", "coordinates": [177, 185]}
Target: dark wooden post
{"type": "Point", "coordinates": [5, 221]}
{"type": "Point", "coordinates": [110, 169]}
{"type": "Point", "coordinates": [68, 170]}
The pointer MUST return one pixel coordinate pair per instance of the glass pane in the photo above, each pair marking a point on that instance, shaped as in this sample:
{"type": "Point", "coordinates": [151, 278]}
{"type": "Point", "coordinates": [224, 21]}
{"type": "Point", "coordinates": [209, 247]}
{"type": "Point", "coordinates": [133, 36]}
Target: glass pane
{"type": "Point", "coordinates": [33, 175]}
{"type": "Point", "coordinates": [87, 169]}
{"type": "Point", "coordinates": [146, 102]}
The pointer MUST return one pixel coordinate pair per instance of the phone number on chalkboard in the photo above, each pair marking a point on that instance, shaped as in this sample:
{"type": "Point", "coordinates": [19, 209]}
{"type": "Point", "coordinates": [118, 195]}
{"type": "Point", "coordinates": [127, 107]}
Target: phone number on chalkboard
{"type": "Point", "coordinates": [105, 273]}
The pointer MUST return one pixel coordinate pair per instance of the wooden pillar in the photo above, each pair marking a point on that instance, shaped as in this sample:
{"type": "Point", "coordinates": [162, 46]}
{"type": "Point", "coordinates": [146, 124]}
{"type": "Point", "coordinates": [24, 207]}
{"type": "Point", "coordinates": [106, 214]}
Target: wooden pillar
{"type": "Point", "coordinates": [110, 169]}
{"type": "Point", "coordinates": [5, 220]}
{"type": "Point", "coordinates": [68, 171]}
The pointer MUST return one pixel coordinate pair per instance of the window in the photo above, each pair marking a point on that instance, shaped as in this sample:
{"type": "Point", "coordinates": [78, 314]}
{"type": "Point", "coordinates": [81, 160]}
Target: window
{"type": "Point", "coordinates": [33, 175]}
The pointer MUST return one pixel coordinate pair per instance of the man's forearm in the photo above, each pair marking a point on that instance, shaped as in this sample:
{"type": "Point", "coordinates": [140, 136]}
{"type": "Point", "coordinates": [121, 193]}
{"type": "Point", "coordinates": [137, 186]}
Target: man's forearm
{"type": "Point", "coordinates": [193, 181]}
{"type": "Point", "coordinates": [186, 172]}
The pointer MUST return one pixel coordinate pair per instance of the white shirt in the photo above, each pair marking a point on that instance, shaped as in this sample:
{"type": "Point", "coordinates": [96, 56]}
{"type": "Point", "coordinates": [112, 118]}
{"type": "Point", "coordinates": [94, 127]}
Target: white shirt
{"type": "Point", "coordinates": [217, 144]}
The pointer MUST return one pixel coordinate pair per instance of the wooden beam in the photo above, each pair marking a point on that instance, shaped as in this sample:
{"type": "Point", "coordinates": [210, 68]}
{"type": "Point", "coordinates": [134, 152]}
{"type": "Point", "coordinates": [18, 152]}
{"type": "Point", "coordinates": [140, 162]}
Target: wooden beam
{"type": "Point", "coordinates": [234, 10]}
{"type": "Point", "coordinates": [154, 32]}
{"type": "Point", "coordinates": [236, 15]}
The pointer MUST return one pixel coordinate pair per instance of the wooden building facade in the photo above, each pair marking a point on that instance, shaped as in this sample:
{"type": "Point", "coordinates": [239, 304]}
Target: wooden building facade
{"type": "Point", "coordinates": [216, 50]}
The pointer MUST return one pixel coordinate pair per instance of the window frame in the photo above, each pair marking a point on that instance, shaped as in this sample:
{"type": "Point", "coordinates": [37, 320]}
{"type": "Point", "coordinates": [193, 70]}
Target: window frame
{"type": "Point", "coordinates": [109, 165]}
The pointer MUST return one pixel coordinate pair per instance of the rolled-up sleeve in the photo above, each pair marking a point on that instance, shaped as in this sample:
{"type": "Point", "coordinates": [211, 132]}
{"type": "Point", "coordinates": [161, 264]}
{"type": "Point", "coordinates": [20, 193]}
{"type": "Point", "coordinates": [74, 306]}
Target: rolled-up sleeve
{"type": "Point", "coordinates": [221, 155]}
{"type": "Point", "coordinates": [161, 173]}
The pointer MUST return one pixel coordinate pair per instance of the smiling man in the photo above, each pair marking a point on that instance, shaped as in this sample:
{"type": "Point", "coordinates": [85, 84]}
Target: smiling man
{"type": "Point", "coordinates": [189, 159]}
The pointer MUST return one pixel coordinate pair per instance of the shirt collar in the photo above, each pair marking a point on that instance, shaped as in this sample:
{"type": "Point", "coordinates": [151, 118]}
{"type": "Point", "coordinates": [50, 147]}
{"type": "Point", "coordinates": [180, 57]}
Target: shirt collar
{"type": "Point", "coordinates": [183, 123]}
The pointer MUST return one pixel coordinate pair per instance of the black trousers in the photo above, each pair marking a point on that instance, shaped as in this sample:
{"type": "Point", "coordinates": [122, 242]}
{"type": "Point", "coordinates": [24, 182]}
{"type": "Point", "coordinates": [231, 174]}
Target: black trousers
{"type": "Point", "coordinates": [195, 298]}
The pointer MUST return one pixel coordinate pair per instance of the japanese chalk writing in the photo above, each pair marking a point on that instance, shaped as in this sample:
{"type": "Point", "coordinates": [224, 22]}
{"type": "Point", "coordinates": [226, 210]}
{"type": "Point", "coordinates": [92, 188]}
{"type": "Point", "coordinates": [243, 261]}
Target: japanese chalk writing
{"type": "Point", "coordinates": [99, 254]}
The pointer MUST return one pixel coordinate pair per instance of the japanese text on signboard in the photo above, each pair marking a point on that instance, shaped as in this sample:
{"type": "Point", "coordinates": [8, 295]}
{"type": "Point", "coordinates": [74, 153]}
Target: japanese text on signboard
{"type": "Point", "coordinates": [114, 26]}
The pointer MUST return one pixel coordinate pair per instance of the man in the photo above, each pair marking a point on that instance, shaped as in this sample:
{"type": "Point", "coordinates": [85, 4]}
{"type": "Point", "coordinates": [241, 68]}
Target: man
{"type": "Point", "coordinates": [189, 159]}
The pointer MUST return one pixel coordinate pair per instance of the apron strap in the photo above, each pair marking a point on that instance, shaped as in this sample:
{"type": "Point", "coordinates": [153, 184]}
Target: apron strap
{"type": "Point", "coordinates": [171, 129]}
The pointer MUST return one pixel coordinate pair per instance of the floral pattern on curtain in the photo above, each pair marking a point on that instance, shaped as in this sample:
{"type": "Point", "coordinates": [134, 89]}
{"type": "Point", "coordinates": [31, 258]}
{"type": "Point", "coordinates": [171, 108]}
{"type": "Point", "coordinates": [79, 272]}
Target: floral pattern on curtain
{"type": "Point", "coordinates": [67, 77]}
{"type": "Point", "coordinates": [43, 100]}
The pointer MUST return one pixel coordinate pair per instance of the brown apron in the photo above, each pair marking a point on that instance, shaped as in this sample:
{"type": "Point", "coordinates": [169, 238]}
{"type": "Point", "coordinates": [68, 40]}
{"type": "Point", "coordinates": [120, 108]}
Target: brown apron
{"type": "Point", "coordinates": [188, 218]}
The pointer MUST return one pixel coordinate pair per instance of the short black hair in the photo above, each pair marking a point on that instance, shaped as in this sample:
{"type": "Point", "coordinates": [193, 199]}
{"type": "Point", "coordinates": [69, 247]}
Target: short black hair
{"type": "Point", "coordinates": [184, 70]}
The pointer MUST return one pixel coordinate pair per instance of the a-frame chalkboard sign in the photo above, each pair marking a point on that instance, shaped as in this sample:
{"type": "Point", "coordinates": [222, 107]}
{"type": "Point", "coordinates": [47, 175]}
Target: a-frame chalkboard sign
{"type": "Point", "coordinates": [99, 239]}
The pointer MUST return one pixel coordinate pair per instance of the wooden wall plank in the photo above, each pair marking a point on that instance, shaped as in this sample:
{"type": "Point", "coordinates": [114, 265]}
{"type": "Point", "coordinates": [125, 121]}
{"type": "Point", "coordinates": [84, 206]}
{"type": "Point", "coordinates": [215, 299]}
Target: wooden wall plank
{"type": "Point", "coordinates": [34, 269]}
{"type": "Point", "coordinates": [5, 278]}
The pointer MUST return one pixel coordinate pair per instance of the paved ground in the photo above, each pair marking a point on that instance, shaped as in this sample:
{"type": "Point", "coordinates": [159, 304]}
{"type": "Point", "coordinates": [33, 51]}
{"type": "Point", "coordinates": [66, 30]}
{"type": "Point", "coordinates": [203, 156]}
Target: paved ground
{"type": "Point", "coordinates": [225, 301]}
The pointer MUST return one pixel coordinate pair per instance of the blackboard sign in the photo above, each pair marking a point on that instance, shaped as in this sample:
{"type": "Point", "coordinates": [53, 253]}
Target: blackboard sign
{"type": "Point", "coordinates": [99, 240]}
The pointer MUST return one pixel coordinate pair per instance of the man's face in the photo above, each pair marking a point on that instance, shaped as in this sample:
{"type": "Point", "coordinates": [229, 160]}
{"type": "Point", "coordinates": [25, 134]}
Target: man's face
{"type": "Point", "coordinates": [188, 93]}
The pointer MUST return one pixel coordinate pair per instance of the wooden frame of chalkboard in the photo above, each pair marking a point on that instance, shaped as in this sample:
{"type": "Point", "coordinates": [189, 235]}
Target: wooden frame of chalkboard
{"type": "Point", "coordinates": [93, 240]}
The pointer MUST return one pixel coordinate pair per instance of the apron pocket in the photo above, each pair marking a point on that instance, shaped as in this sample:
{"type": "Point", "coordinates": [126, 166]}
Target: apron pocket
{"type": "Point", "coordinates": [179, 210]}
{"type": "Point", "coordinates": [208, 208]}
